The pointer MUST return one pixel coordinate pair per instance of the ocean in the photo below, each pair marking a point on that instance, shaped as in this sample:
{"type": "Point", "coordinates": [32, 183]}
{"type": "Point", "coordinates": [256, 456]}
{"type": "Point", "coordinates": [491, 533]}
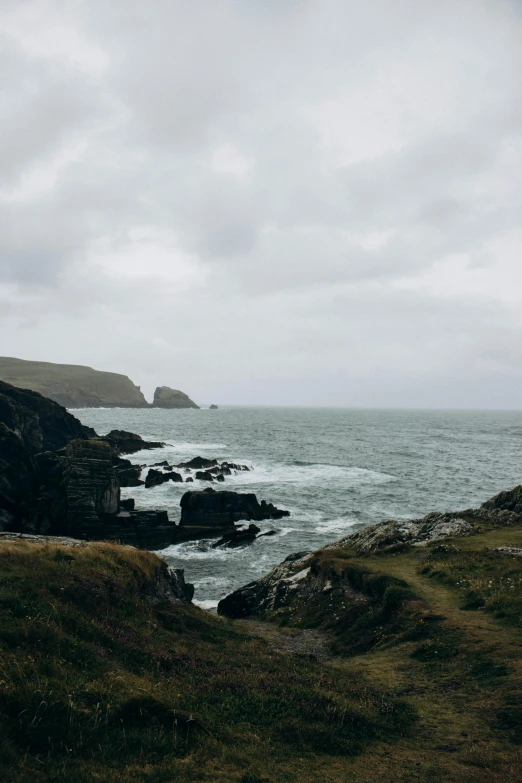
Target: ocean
{"type": "Point", "coordinates": [335, 470]}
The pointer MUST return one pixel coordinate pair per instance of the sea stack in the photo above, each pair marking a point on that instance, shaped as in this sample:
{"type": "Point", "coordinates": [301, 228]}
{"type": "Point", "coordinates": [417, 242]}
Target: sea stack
{"type": "Point", "coordinates": [165, 397]}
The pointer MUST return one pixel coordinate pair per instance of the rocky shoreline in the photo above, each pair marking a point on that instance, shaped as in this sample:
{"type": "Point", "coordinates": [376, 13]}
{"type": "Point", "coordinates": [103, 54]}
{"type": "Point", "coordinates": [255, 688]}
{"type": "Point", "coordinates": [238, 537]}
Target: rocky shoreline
{"type": "Point", "coordinates": [59, 478]}
{"type": "Point", "coordinates": [296, 579]}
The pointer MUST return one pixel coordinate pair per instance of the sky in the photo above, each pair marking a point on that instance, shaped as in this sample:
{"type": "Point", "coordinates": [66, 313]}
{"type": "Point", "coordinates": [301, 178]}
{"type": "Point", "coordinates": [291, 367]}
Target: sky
{"type": "Point", "coordinates": [294, 202]}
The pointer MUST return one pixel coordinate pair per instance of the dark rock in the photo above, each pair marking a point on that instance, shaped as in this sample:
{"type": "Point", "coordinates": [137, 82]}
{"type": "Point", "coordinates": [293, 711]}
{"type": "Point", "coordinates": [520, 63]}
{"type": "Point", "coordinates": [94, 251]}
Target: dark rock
{"type": "Point", "coordinates": [42, 424]}
{"type": "Point", "coordinates": [155, 477]}
{"type": "Point", "coordinates": [163, 464]}
{"type": "Point", "coordinates": [238, 537]}
{"type": "Point", "coordinates": [222, 509]}
{"type": "Point", "coordinates": [213, 407]}
{"type": "Point", "coordinates": [510, 500]}
{"type": "Point", "coordinates": [169, 585]}
{"type": "Point", "coordinates": [18, 481]}
{"type": "Point", "coordinates": [128, 474]}
{"type": "Point", "coordinates": [198, 463]}
{"type": "Point", "coordinates": [268, 533]}
{"type": "Point", "coordinates": [165, 397]}
{"type": "Point", "coordinates": [233, 466]}
{"type": "Point", "coordinates": [220, 477]}
{"type": "Point", "coordinates": [271, 592]}
{"type": "Point", "coordinates": [188, 479]}
{"type": "Point", "coordinates": [129, 443]}
{"type": "Point", "coordinates": [127, 504]}
{"type": "Point", "coordinates": [204, 475]}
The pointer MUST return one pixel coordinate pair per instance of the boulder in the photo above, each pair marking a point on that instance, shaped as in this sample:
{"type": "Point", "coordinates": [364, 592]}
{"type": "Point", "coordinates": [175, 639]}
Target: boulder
{"type": "Point", "coordinates": [165, 397]}
{"type": "Point", "coordinates": [234, 466]}
{"type": "Point", "coordinates": [155, 477]}
{"type": "Point", "coordinates": [204, 475]}
{"type": "Point", "coordinates": [127, 504]}
{"type": "Point", "coordinates": [238, 537]}
{"type": "Point", "coordinates": [271, 592]}
{"type": "Point", "coordinates": [213, 407]}
{"type": "Point", "coordinates": [221, 509]}
{"type": "Point", "coordinates": [168, 584]}
{"type": "Point", "coordinates": [198, 463]}
{"type": "Point", "coordinates": [220, 477]}
{"type": "Point", "coordinates": [188, 479]}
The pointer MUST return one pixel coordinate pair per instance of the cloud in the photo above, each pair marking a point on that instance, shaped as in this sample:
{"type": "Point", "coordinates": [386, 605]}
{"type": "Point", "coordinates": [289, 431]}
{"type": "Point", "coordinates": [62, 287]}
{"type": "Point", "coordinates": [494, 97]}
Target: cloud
{"type": "Point", "coordinates": [241, 197]}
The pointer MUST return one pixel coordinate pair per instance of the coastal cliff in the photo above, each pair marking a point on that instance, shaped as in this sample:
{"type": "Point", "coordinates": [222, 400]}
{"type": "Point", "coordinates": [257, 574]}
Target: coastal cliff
{"type": "Point", "coordinates": [73, 386]}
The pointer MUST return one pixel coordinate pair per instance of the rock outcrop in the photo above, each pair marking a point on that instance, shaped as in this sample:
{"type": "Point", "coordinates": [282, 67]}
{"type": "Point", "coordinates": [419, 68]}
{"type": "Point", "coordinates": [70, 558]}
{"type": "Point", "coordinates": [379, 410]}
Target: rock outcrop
{"type": "Point", "coordinates": [272, 591]}
{"type": "Point", "coordinates": [73, 386]}
{"type": "Point", "coordinates": [41, 423]}
{"type": "Point", "coordinates": [129, 443]}
{"type": "Point", "coordinates": [503, 509]}
{"type": "Point", "coordinates": [296, 579]}
{"type": "Point", "coordinates": [165, 397]}
{"type": "Point", "coordinates": [156, 477]}
{"type": "Point", "coordinates": [221, 509]}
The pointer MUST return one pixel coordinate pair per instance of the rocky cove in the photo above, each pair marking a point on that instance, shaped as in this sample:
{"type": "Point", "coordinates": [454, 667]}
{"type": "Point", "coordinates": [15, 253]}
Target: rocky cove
{"type": "Point", "coordinates": [391, 653]}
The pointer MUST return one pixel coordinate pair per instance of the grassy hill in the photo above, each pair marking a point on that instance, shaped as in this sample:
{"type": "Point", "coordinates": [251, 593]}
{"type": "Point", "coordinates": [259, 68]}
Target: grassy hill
{"type": "Point", "coordinates": [71, 385]}
{"type": "Point", "coordinates": [422, 681]}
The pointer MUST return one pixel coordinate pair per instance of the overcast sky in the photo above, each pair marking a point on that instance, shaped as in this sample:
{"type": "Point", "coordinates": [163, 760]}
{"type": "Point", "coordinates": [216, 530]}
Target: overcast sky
{"type": "Point", "coordinates": [267, 201]}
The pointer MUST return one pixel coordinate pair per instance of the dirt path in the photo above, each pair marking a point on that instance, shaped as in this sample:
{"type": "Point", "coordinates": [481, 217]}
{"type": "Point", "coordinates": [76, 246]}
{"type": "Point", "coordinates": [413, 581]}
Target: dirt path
{"type": "Point", "coordinates": [310, 644]}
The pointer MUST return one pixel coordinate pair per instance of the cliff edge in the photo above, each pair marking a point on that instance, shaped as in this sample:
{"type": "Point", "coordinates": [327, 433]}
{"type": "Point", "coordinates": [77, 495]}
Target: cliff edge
{"type": "Point", "coordinates": [73, 385]}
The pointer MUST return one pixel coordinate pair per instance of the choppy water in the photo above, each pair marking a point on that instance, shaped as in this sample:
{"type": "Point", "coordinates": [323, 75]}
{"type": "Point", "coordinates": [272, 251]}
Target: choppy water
{"type": "Point", "coordinates": [333, 469]}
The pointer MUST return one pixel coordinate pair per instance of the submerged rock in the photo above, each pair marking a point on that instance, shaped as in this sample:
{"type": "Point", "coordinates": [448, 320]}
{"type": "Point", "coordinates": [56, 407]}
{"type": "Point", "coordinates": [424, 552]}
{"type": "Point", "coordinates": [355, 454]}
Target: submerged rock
{"type": "Point", "coordinates": [238, 537]}
{"type": "Point", "coordinates": [222, 509]}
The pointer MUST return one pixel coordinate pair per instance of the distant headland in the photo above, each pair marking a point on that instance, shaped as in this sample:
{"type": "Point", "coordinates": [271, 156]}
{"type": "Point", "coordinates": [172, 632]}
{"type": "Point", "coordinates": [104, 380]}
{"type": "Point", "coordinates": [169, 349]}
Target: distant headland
{"type": "Point", "coordinates": [76, 386]}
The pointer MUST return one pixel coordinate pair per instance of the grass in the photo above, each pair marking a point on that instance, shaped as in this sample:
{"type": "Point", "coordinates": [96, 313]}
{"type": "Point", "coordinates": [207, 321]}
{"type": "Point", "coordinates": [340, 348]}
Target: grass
{"type": "Point", "coordinates": [96, 684]}
{"type": "Point", "coordinates": [424, 684]}
{"type": "Point", "coordinates": [439, 627]}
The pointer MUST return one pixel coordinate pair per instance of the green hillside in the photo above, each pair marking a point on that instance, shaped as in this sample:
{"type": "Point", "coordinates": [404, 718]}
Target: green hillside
{"type": "Point", "coordinates": [72, 385]}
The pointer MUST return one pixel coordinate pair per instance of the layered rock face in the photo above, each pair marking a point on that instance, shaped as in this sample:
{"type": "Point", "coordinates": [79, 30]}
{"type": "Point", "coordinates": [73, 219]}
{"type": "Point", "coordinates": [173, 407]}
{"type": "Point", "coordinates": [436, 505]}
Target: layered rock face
{"type": "Point", "coordinates": [29, 424]}
{"type": "Point", "coordinates": [209, 508]}
{"type": "Point", "coordinates": [41, 423]}
{"type": "Point", "coordinates": [58, 478]}
{"type": "Point", "coordinates": [73, 386]}
{"type": "Point", "coordinates": [165, 397]}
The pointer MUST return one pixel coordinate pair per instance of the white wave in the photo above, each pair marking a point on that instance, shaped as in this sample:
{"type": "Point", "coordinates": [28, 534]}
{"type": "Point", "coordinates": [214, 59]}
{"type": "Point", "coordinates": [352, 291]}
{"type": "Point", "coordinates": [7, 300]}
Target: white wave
{"type": "Point", "coordinates": [323, 475]}
{"type": "Point", "coordinates": [339, 525]}
{"type": "Point", "coordinates": [211, 581]}
{"type": "Point", "coordinates": [208, 605]}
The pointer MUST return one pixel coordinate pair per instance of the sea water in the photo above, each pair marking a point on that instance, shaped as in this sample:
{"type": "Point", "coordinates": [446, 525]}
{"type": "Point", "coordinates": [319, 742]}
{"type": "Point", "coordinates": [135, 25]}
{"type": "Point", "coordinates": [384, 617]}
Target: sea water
{"type": "Point", "coordinates": [335, 470]}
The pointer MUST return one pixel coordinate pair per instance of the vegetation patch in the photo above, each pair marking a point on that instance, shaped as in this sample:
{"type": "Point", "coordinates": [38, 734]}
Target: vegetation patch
{"type": "Point", "coordinates": [97, 684]}
{"type": "Point", "coordinates": [484, 578]}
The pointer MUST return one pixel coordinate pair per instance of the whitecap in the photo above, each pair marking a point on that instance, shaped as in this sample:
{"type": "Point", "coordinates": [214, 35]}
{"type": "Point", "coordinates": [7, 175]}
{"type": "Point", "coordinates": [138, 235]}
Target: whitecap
{"type": "Point", "coordinates": [207, 605]}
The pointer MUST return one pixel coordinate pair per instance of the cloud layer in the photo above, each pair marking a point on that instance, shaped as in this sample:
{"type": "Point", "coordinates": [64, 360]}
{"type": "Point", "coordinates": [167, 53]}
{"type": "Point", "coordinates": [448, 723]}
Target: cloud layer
{"type": "Point", "coordinates": [308, 201]}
